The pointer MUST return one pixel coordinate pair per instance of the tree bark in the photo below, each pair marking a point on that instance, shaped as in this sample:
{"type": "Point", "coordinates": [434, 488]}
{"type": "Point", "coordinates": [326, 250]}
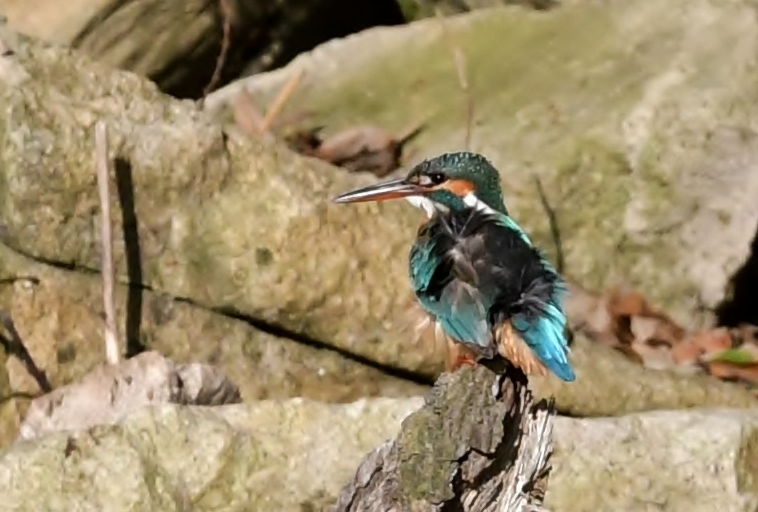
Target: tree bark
{"type": "Point", "coordinates": [479, 444]}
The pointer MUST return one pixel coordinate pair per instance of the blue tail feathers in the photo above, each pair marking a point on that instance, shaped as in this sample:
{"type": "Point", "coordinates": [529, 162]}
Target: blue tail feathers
{"type": "Point", "coordinates": [547, 338]}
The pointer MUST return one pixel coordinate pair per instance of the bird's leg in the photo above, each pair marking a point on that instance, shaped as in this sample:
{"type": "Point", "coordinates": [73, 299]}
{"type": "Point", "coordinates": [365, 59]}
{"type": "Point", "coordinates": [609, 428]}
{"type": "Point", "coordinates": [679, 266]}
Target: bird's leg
{"type": "Point", "coordinates": [458, 356]}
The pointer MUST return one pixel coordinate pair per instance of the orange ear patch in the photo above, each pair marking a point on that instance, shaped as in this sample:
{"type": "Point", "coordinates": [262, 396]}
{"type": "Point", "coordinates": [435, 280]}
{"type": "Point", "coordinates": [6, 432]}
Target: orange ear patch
{"type": "Point", "coordinates": [512, 347]}
{"type": "Point", "coordinates": [459, 187]}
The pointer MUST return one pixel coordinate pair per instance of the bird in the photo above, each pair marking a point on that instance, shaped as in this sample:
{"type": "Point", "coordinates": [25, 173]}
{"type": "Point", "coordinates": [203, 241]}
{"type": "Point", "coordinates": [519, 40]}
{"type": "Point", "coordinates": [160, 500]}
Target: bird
{"type": "Point", "coordinates": [475, 272]}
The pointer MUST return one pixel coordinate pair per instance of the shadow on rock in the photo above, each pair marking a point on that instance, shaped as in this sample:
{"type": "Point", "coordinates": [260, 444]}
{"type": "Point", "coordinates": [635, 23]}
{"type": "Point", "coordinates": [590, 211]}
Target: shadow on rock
{"type": "Point", "coordinates": [129, 226]}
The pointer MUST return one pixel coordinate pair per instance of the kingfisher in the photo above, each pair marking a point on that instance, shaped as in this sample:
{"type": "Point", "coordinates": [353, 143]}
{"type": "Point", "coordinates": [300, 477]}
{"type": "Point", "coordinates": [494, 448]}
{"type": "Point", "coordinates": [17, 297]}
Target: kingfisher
{"type": "Point", "coordinates": [475, 272]}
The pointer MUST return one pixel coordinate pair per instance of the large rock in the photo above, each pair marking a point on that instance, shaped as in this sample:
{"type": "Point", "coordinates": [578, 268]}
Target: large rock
{"type": "Point", "coordinates": [177, 43]}
{"type": "Point", "coordinates": [638, 117]}
{"type": "Point", "coordinates": [59, 316]}
{"type": "Point", "coordinates": [417, 9]}
{"type": "Point", "coordinates": [229, 223]}
{"type": "Point", "coordinates": [9, 411]}
{"type": "Point", "coordinates": [672, 461]}
{"type": "Point", "coordinates": [267, 456]}
{"type": "Point", "coordinates": [296, 455]}
{"type": "Point", "coordinates": [610, 384]}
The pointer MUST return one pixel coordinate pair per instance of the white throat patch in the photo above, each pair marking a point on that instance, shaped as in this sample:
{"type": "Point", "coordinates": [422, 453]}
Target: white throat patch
{"type": "Point", "coordinates": [430, 207]}
{"type": "Point", "coordinates": [472, 201]}
{"type": "Point", "coordinates": [427, 205]}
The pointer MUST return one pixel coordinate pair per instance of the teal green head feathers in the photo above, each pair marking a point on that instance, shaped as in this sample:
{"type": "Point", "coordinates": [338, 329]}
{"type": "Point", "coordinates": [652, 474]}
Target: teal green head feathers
{"type": "Point", "coordinates": [475, 271]}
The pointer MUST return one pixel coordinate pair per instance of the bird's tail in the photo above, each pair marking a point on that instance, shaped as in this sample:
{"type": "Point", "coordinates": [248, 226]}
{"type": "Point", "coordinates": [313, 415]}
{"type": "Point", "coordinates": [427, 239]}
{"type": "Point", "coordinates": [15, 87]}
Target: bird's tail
{"type": "Point", "coordinates": [545, 334]}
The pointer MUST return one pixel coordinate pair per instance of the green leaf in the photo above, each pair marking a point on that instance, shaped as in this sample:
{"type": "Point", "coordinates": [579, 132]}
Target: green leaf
{"type": "Point", "coordinates": [735, 356]}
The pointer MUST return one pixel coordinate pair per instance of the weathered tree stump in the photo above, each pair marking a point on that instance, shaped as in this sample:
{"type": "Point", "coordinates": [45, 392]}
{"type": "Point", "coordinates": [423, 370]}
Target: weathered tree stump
{"type": "Point", "coordinates": [479, 444]}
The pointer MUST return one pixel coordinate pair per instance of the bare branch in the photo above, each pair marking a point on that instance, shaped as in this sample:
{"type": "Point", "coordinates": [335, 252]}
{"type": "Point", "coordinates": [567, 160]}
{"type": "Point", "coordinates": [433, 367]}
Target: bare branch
{"type": "Point", "coordinates": [102, 165]}
{"type": "Point", "coordinates": [246, 114]}
{"type": "Point", "coordinates": [552, 219]}
{"type": "Point", "coordinates": [226, 13]}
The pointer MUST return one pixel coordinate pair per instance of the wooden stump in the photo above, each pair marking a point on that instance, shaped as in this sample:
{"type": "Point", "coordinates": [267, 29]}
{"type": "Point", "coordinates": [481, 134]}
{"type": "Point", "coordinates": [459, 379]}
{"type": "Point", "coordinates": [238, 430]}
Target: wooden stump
{"type": "Point", "coordinates": [480, 443]}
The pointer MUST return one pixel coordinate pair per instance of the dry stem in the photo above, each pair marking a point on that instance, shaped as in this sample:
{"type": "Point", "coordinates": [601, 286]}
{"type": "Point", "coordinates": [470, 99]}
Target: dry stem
{"type": "Point", "coordinates": [226, 12]}
{"type": "Point", "coordinates": [284, 94]}
{"type": "Point", "coordinates": [552, 218]}
{"type": "Point", "coordinates": [106, 235]}
{"type": "Point", "coordinates": [460, 68]}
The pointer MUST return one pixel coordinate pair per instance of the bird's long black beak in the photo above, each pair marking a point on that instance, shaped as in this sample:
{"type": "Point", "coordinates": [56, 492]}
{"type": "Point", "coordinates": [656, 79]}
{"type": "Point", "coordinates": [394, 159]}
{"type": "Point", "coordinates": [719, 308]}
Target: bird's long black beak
{"type": "Point", "coordinates": [381, 192]}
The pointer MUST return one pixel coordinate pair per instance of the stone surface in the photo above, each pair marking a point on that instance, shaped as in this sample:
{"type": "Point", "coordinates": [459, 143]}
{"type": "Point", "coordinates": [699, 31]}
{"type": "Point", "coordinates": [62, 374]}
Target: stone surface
{"type": "Point", "coordinates": [610, 384]}
{"type": "Point", "coordinates": [639, 119]}
{"type": "Point", "coordinates": [59, 316]}
{"type": "Point", "coordinates": [297, 454]}
{"type": "Point", "coordinates": [9, 411]}
{"type": "Point", "coordinates": [228, 223]}
{"type": "Point", "coordinates": [672, 461]}
{"type": "Point", "coordinates": [268, 456]}
{"type": "Point", "coordinates": [176, 43]}
{"type": "Point", "coordinates": [417, 9]}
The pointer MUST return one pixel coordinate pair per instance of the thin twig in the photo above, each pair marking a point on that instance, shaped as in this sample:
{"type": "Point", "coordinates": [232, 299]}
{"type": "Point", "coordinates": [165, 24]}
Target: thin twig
{"type": "Point", "coordinates": [246, 114]}
{"type": "Point", "coordinates": [226, 13]}
{"type": "Point", "coordinates": [461, 69]}
{"type": "Point", "coordinates": [17, 348]}
{"type": "Point", "coordinates": [411, 132]}
{"type": "Point", "coordinates": [102, 167]}
{"type": "Point", "coordinates": [552, 220]}
{"type": "Point", "coordinates": [284, 94]}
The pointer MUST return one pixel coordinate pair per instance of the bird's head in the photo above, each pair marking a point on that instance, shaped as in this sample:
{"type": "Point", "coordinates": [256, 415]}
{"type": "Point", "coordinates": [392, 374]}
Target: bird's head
{"type": "Point", "coordinates": [450, 181]}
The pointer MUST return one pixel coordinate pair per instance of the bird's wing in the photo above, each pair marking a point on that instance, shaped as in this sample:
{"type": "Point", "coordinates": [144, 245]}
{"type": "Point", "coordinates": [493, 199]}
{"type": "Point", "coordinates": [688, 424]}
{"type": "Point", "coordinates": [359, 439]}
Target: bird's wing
{"type": "Point", "coordinates": [446, 286]}
{"type": "Point", "coordinates": [478, 273]}
{"type": "Point", "coordinates": [537, 314]}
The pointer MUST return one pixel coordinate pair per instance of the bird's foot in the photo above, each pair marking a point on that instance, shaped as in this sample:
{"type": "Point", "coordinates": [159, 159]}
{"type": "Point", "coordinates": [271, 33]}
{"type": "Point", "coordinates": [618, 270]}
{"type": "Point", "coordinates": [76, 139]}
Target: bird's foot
{"type": "Point", "coordinates": [459, 356]}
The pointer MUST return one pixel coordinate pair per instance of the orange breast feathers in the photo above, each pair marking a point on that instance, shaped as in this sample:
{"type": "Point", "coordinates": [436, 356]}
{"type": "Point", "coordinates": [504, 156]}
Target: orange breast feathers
{"type": "Point", "coordinates": [512, 346]}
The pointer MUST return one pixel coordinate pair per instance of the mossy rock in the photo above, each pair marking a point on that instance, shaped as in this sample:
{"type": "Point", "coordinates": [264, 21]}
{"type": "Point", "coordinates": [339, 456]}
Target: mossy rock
{"type": "Point", "coordinates": [205, 216]}
{"type": "Point", "coordinates": [636, 117]}
{"type": "Point", "coordinates": [177, 43]}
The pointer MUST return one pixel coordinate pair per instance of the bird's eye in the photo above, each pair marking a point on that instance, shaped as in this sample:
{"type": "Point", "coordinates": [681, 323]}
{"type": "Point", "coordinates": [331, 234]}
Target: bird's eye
{"type": "Point", "coordinates": [437, 178]}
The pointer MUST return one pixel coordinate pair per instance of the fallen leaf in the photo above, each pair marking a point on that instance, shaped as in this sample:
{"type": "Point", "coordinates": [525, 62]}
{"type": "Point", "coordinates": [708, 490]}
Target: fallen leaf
{"type": "Point", "coordinates": [722, 370]}
{"type": "Point", "coordinates": [634, 318]}
{"type": "Point", "coordinates": [358, 149]}
{"type": "Point", "coordinates": [694, 347]}
{"type": "Point", "coordinates": [745, 354]}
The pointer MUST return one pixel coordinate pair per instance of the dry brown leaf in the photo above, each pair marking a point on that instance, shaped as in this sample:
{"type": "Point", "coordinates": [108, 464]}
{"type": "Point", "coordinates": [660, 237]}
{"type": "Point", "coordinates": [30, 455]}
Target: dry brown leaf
{"type": "Point", "coordinates": [626, 321]}
{"type": "Point", "coordinates": [613, 314]}
{"type": "Point", "coordinates": [694, 347]}
{"type": "Point", "coordinates": [722, 370]}
{"type": "Point", "coordinates": [357, 149]}
{"type": "Point", "coordinates": [658, 328]}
